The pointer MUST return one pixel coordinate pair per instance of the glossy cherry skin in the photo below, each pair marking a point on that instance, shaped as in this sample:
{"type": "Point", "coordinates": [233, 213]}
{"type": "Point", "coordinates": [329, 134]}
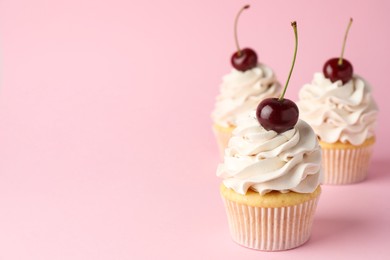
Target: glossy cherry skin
{"type": "Point", "coordinates": [277, 115]}
{"type": "Point", "coordinates": [333, 71]}
{"type": "Point", "coordinates": [246, 61]}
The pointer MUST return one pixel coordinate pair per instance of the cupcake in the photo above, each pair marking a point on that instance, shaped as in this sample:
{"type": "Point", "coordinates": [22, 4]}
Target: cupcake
{"type": "Point", "coordinates": [241, 90]}
{"type": "Point", "coordinates": [271, 176]}
{"type": "Point", "coordinates": [271, 185]}
{"type": "Point", "coordinates": [340, 108]}
{"type": "Point", "coordinates": [343, 116]}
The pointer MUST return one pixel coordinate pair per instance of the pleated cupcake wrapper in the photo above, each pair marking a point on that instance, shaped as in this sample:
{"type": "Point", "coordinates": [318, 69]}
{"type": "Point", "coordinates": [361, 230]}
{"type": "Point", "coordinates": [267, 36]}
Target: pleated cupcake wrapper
{"type": "Point", "coordinates": [223, 138]}
{"type": "Point", "coordinates": [345, 166]}
{"type": "Point", "coordinates": [270, 229]}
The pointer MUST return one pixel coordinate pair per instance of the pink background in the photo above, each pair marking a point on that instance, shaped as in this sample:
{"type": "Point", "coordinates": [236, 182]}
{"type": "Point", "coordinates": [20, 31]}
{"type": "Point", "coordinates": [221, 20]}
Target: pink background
{"type": "Point", "coordinates": [106, 149]}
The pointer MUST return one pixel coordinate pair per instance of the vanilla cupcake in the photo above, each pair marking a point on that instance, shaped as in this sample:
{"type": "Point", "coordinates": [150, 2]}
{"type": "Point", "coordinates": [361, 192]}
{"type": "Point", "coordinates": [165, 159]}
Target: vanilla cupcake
{"type": "Point", "coordinates": [271, 185]}
{"type": "Point", "coordinates": [343, 117]}
{"type": "Point", "coordinates": [272, 175]}
{"type": "Point", "coordinates": [241, 90]}
{"type": "Point", "coordinates": [339, 106]}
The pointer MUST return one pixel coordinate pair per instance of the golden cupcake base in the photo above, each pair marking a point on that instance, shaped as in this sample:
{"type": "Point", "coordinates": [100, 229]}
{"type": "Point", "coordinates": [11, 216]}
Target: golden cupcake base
{"type": "Point", "coordinates": [344, 163]}
{"type": "Point", "coordinates": [223, 135]}
{"type": "Point", "coordinates": [272, 222]}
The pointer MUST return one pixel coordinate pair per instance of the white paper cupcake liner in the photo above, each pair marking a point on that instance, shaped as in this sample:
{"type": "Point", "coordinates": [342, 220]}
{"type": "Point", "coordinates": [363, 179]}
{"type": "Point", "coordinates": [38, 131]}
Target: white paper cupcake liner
{"type": "Point", "coordinates": [346, 166]}
{"type": "Point", "coordinates": [270, 229]}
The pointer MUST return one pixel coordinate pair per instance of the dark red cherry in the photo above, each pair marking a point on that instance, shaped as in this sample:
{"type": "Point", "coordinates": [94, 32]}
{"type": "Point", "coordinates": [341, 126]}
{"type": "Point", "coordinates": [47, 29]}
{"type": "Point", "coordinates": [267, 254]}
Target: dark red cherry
{"type": "Point", "coordinates": [334, 71]}
{"type": "Point", "coordinates": [244, 60]}
{"type": "Point", "coordinates": [278, 115]}
{"type": "Point", "coordinates": [339, 68]}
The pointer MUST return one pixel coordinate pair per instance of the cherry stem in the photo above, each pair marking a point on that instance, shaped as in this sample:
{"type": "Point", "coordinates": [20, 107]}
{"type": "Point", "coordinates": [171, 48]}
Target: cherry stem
{"type": "Point", "coordinates": [235, 27]}
{"type": "Point", "coordinates": [345, 40]}
{"type": "Point", "coordinates": [294, 25]}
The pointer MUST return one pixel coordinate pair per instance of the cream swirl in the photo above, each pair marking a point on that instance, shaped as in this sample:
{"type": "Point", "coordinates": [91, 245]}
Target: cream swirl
{"type": "Point", "coordinates": [266, 161]}
{"type": "Point", "coordinates": [241, 92]}
{"type": "Point", "coordinates": [337, 112]}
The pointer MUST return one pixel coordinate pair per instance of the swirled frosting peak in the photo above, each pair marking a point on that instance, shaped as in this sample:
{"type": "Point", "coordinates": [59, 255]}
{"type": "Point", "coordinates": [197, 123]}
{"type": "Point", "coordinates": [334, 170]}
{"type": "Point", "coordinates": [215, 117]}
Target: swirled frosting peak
{"type": "Point", "coordinates": [266, 161]}
{"type": "Point", "coordinates": [337, 112]}
{"type": "Point", "coordinates": [241, 92]}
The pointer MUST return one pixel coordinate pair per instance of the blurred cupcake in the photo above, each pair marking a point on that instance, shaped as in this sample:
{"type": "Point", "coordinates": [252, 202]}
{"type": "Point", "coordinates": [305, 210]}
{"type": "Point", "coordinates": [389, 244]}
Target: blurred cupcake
{"type": "Point", "coordinates": [339, 106]}
{"type": "Point", "coordinates": [240, 93]}
{"type": "Point", "coordinates": [248, 83]}
{"type": "Point", "coordinates": [343, 115]}
{"type": "Point", "coordinates": [271, 185]}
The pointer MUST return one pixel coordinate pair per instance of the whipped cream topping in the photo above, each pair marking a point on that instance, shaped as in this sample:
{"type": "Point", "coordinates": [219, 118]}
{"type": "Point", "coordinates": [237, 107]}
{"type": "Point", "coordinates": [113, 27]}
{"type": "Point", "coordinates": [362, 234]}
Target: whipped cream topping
{"type": "Point", "coordinates": [337, 112]}
{"type": "Point", "coordinates": [266, 161]}
{"type": "Point", "coordinates": [241, 92]}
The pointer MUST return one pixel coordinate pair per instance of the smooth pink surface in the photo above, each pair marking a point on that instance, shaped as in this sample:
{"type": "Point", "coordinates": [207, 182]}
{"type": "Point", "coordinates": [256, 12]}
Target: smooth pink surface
{"type": "Point", "coordinates": [106, 149]}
